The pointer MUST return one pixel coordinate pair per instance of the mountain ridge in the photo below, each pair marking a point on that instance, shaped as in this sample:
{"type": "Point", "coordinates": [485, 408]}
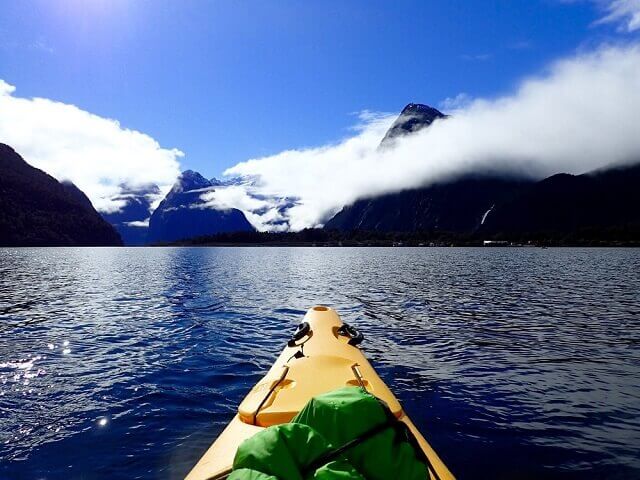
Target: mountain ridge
{"type": "Point", "coordinates": [38, 210]}
{"type": "Point", "coordinates": [183, 214]}
{"type": "Point", "coordinates": [498, 206]}
{"type": "Point", "coordinates": [412, 118]}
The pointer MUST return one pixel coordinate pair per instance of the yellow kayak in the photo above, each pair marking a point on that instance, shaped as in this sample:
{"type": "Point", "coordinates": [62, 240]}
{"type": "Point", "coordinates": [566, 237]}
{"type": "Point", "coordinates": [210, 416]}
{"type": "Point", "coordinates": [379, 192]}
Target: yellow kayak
{"type": "Point", "coordinates": [322, 356]}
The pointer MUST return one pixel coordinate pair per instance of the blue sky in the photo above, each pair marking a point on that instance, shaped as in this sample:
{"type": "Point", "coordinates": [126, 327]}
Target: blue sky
{"type": "Point", "coordinates": [225, 81]}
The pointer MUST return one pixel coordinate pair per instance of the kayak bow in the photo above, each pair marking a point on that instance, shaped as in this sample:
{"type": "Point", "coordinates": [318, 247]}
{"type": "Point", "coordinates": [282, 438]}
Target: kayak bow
{"type": "Point", "coordinates": [322, 356]}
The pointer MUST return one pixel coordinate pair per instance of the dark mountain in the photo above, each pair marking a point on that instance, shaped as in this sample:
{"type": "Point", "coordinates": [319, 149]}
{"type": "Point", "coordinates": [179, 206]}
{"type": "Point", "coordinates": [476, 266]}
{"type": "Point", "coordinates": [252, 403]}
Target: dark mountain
{"type": "Point", "coordinates": [457, 207]}
{"type": "Point", "coordinates": [132, 219]}
{"type": "Point", "coordinates": [190, 180]}
{"type": "Point", "coordinates": [76, 193]}
{"type": "Point", "coordinates": [413, 117]}
{"type": "Point", "coordinates": [601, 205]}
{"type": "Point", "coordinates": [182, 213]}
{"type": "Point", "coordinates": [37, 210]}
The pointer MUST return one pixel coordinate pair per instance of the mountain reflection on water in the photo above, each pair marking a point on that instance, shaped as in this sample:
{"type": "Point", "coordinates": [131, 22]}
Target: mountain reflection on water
{"type": "Point", "coordinates": [126, 363]}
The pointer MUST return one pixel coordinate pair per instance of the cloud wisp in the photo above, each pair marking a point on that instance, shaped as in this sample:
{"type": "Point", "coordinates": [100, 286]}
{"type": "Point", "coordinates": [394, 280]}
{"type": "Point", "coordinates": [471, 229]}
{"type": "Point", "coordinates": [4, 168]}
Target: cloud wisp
{"type": "Point", "coordinates": [580, 115]}
{"type": "Point", "coordinates": [454, 104]}
{"type": "Point", "coordinates": [626, 13]}
{"type": "Point", "coordinates": [95, 153]}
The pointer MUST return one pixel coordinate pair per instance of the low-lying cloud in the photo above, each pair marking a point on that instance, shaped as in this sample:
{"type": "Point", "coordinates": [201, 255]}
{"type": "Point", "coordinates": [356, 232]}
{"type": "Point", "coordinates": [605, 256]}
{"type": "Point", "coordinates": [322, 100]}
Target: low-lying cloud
{"type": "Point", "coordinates": [263, 212]}
{"type": "Point", "coordinates": [580, 114]}
{"type": "Point", "coordinates": [95, 153]}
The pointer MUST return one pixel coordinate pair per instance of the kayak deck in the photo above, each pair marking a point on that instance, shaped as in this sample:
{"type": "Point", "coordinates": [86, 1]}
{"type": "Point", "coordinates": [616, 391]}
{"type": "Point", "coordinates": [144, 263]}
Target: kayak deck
{"type": "Point", "coordinates": [322, 361]}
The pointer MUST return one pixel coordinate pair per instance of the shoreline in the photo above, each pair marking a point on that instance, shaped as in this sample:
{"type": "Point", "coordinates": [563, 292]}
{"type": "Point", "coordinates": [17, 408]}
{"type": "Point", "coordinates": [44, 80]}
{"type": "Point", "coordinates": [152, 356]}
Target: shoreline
{"type": "Point", "coordinates": [391, 245]}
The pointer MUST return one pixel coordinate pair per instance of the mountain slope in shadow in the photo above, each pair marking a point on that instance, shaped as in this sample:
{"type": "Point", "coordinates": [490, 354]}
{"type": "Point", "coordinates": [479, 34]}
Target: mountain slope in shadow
{"type": "Point", "coordinates": [37, 210]}
{"type": "Point", "coordinates": [182, 214]}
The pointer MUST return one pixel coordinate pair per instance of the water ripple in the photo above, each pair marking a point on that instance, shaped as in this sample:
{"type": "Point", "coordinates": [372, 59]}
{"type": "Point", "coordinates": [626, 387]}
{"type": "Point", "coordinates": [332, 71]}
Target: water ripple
{"type": "Point", "coordinates": [125, 363]}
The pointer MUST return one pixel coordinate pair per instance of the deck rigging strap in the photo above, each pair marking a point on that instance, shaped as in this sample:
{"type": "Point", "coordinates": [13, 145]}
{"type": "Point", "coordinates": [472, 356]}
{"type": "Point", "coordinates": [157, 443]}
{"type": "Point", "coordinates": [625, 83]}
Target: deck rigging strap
{"type": "Point", "coordinates": [271, 390]}
{"type": "Point", "coordinates": [336, 452]}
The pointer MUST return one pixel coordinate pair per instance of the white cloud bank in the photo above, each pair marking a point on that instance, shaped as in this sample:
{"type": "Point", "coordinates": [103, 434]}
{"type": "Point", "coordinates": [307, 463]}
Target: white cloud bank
{"type": "Point", "coordinates": [581, 114]}
{"type": "Point", "coordinates": [95, 153]}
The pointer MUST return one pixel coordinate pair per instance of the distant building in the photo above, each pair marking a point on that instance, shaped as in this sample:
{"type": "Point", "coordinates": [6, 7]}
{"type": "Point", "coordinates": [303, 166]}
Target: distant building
{"type": "Point", "coordinates": [495, 243]}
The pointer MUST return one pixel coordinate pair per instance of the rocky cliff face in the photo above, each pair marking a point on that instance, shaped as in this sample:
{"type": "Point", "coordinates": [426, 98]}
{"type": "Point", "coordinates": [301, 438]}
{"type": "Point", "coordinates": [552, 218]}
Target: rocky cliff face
{"type": "Point", "coordinates": [414, 117]}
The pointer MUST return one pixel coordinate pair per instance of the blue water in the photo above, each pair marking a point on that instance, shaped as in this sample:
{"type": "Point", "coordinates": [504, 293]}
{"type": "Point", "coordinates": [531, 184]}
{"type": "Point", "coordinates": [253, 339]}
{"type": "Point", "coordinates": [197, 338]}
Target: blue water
{"type": "Point", "coordinates": [126, 363]}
